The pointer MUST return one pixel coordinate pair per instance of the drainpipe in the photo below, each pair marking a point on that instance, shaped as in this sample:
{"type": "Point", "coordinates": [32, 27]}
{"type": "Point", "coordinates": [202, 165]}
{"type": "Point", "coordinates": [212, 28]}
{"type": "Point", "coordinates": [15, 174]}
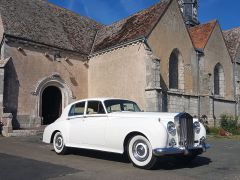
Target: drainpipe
{"type": "Point", "coordinates": [234, 87]}
{"type": "Point", "coordinates": [199, 53]}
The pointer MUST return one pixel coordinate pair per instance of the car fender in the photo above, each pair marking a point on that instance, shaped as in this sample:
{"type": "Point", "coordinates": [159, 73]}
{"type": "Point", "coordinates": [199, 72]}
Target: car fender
{"type": "Point", "coordinates": [52, 128]}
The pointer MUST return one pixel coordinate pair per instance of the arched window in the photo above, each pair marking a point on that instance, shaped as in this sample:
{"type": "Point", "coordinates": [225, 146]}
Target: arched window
{"type": "Point", "coordinates": [176, 70]}
{"type": "Point", "coordinates": [219, 80]}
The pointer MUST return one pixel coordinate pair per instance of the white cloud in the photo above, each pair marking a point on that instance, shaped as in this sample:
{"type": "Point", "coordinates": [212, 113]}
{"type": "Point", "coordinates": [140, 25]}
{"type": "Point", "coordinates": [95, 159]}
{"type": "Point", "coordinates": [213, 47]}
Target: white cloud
{"type": "Point", "coordinates": [70, 4]}
{"type": "Point", "coordinates": [85, 8]}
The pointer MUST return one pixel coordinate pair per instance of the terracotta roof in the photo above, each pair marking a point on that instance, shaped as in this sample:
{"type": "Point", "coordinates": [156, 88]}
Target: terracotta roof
{"type": "Point", "coordinates": [200, 34]}
{"type": "Point", "coordinates": [40, 21]}
{"type": "Point", "coordinates": [232, 38]}
{"type": "Point", "coordinates": [133, 27]}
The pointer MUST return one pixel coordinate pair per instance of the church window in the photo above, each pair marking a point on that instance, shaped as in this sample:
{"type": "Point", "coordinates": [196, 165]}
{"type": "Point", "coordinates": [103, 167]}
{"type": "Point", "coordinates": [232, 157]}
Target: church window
{"type": "Point", "coordinates": [176, 71]}
{"type": "Point", "coordinates": [219, 80]}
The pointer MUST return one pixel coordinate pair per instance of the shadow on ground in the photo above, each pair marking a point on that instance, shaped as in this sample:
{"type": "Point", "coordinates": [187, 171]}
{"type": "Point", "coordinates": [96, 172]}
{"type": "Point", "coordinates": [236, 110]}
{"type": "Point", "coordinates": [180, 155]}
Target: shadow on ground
{"type": "Point", "coordinates": [166, 163]}
{"type": "Point", "coordinates": [171, 163]}
{"type": "Point", "coordinates": [13, 167]}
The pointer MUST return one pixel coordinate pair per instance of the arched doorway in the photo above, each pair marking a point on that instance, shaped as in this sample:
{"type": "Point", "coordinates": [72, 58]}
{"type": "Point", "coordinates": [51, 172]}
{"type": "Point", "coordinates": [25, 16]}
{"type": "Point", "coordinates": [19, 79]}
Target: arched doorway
{"type": "Point", "coordinates": [51, 104]}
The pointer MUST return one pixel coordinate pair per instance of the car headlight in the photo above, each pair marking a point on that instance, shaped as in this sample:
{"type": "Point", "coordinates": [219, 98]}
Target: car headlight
{"type": "Point", "coordinates": [196, 127]}
{"type": "Point", "coordinates": [171, 128]}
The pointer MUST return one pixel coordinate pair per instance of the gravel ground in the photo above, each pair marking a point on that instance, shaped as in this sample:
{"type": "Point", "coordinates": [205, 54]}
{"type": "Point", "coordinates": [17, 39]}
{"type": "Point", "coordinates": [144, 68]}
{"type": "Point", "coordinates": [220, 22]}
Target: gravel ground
{"type": "Point", "coordinates": [28, 158]}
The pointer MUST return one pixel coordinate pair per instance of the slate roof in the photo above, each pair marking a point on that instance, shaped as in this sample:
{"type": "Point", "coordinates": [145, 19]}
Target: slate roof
{"type": "Point", "coordinates": [43, 22]}
{"type": "Point", "coordinates": [232, 38]}
{"type": "Point", "coordinates": [133, 27]}
{"type": "Point", "coordinates": [200, 34]}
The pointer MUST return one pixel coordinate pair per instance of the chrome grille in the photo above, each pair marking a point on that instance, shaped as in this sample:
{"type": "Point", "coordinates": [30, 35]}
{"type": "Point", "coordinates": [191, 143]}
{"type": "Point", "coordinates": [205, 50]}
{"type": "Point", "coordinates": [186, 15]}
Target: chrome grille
{"type": "Point", "coordinates": [185, 129]}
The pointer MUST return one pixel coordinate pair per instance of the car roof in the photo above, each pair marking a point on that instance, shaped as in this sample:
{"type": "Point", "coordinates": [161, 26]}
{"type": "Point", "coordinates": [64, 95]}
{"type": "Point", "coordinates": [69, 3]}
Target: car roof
{"type": "Point", "coordinates": [99, 99]}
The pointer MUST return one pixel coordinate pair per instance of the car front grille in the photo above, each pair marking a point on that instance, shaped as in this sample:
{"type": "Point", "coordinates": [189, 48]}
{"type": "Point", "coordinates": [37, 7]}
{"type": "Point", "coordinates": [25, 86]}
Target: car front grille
{"type": "Point", "coordinates": [185, 130]}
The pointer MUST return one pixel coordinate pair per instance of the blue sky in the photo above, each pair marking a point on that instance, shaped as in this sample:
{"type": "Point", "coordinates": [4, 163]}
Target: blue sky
{"type": "Point", "coordinates": [108, 11]}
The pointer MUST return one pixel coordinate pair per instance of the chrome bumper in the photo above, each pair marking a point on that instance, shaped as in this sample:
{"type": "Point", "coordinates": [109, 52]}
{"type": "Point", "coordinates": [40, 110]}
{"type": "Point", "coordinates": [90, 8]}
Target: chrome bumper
{"type": "Point", "coordinates": [182, 150]}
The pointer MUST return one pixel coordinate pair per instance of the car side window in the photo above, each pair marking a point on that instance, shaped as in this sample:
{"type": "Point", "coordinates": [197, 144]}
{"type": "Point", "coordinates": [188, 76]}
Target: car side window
{"type": "Point", "coordinates": [95, 107]}
{"type": "Point", "coordinates": [77, 109]}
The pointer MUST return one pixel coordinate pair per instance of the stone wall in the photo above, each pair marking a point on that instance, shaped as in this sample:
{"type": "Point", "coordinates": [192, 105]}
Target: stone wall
{"type": "Point", "coordinates": [178, 102]}
{"type": "Point", "coordinates": [31, 69]}
{"type": "Point", "coordinates": [119, 73]}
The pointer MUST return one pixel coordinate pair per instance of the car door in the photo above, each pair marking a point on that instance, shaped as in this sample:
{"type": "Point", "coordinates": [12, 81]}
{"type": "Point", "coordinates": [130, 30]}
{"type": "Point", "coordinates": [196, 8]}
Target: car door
{"type": "Point", "coordinates": [75, 121]}
{"type": "Point", "coordinates": [94, 124]}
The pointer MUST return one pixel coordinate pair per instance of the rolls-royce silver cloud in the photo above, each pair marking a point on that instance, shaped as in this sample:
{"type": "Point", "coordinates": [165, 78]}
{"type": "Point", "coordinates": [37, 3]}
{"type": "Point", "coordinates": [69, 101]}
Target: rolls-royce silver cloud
{"type": "Point", "coordinates": [119, 126]}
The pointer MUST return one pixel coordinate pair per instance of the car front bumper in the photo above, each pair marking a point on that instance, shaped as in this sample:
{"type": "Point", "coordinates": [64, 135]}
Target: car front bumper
{"type": "Point", "coordinates": [183, 150]}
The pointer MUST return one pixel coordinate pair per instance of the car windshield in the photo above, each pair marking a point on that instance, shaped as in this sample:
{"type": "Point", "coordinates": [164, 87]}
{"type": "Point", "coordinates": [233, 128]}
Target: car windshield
{"type": "Point", "coordinates": [121, 105]}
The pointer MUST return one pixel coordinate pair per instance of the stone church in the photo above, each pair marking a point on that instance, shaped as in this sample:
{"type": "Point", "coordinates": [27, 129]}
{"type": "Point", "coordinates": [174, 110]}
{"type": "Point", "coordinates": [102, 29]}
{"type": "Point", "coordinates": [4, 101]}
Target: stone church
{"type": "Point", "coordinates": [160, 57]}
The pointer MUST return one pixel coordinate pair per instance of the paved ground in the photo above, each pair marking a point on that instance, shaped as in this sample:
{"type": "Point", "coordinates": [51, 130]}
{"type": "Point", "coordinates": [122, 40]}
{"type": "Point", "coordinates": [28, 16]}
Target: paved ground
{"type": "Point", "coordinates": [28, 158]}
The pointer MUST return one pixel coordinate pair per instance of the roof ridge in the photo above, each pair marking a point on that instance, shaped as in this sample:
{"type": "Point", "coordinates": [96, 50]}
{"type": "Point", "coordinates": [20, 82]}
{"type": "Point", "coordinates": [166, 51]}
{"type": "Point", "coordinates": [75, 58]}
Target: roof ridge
{"type": "Point", "coordinates": [235, 28]}
{"type": "Point", "coordinates": [210, 34]}
{"type": "Point", "coordinates": [204, 24]}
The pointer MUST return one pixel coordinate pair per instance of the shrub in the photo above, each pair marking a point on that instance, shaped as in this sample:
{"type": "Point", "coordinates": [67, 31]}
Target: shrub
{"type": "Point", "coordinates": [229, 123]}
{"type": "Point", "coordinates": [213, 130]}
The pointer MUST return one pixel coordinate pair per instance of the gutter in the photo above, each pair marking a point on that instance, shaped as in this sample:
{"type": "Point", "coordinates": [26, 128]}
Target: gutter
{"type": "Point", "coordinates": [199, 53]}
{"type": "Point", "coordinates": [234, 88]}
{"type": "Point", "coordinates": [25, 39]}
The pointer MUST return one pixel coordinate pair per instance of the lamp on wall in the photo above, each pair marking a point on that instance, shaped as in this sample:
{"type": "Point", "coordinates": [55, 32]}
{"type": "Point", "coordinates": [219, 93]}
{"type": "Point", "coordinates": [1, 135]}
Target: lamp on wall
{"type": "Point", "coordinates": [46, 55]}
{"type": "Point", "coordinates": [20, 49]}
{"type": "Point", "coordinates": [86, 64]}
{"type": "Point", "coordinates": [56, 56]}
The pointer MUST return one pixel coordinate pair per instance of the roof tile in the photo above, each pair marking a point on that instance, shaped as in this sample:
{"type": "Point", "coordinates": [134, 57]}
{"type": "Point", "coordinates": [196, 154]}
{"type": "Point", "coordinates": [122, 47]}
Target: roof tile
{"type": "Point", "coordinates": [200, 34]}
{"type": "Point", "coordinates": [133, 27]}
{"type": "Point", "coordinates": [40, 21]}
{"type": "Point", "coordinates": [232, 38]}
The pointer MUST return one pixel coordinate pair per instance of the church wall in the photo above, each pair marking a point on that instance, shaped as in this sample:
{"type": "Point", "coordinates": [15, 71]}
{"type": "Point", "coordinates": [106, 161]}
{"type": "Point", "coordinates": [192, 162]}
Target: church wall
{"type": "Point", "coordinates": [171, 33]}
{"type": "Point", "coordinates": [216, 52]}
{"type": "Point", "coordinates": [119, 73]}
{"type": "Point", "coordinates": [178, 102]}
{"type": "Point", "coordinates": [27, 68]}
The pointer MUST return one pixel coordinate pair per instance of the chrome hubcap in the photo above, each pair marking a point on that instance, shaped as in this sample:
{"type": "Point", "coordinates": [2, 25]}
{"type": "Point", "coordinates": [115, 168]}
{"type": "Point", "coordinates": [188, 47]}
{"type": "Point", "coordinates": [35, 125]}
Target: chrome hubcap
{"type": "Point", "coordinates": [140, 150]}
{"type": "Point", "coordinates": [59, 142]}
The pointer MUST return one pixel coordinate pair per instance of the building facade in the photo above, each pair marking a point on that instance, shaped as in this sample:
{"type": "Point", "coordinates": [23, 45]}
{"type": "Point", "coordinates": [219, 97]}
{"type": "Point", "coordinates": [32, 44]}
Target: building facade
{"type": "Point", "coordinates": [160, 57]}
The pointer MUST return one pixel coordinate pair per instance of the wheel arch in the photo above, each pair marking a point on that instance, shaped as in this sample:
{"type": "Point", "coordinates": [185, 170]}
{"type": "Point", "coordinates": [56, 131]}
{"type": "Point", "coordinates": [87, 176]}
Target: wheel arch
{"type": "Point", "coordinates": [53, 134]}
{"type": "Point", "coordinates": [129, 136]}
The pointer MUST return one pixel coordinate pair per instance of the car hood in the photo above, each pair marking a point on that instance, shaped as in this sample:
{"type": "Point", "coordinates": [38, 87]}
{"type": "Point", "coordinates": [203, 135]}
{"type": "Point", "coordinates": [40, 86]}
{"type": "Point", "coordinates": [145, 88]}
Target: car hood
{"type": "Point", "coordinates": [144, 115]}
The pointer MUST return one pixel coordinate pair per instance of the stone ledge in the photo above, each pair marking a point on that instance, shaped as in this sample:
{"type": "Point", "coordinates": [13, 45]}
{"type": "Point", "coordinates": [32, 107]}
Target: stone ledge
{"type": "Point", "coordinates": [17, 133]}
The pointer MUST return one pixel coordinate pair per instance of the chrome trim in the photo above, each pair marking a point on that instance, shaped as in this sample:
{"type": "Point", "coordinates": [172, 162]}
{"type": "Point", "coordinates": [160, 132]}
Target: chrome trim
{"type": "Point", "coordinates": [173, 151]}
{"type": "Point", "coordinates": [185, 131]}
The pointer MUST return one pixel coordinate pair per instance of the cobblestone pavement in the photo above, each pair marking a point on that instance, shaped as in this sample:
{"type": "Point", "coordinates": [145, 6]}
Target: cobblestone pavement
{"type": "Point", "coordinates": [28, 158]}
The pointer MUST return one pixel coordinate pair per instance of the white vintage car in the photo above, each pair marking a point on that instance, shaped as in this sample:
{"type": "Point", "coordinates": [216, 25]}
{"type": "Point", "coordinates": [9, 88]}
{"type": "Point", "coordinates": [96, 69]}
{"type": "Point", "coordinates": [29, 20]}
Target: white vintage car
{"type": "Point", "coordinates": [119, 126]}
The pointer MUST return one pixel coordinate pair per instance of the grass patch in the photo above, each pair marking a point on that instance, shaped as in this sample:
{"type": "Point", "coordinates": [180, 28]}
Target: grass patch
{"type": "Point", "coordinates": [216, 136]}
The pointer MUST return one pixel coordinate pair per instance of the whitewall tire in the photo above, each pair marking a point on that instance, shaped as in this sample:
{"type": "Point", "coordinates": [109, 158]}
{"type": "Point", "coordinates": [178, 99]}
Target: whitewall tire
{"type": "Point", "coordinates": [58, 144]}
{"type": "Point", "coordinates": [140, 152]}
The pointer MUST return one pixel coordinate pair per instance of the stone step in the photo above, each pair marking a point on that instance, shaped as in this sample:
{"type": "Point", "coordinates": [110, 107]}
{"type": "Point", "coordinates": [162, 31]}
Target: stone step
{"type": "Point", "coordinates": [25, 132]}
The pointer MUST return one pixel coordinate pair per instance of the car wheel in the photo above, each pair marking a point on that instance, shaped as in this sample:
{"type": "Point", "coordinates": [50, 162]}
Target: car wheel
{"type": "Point", "coordinates": [58, 144]}
{"type": "Point", "coordinates": [140, 152]}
